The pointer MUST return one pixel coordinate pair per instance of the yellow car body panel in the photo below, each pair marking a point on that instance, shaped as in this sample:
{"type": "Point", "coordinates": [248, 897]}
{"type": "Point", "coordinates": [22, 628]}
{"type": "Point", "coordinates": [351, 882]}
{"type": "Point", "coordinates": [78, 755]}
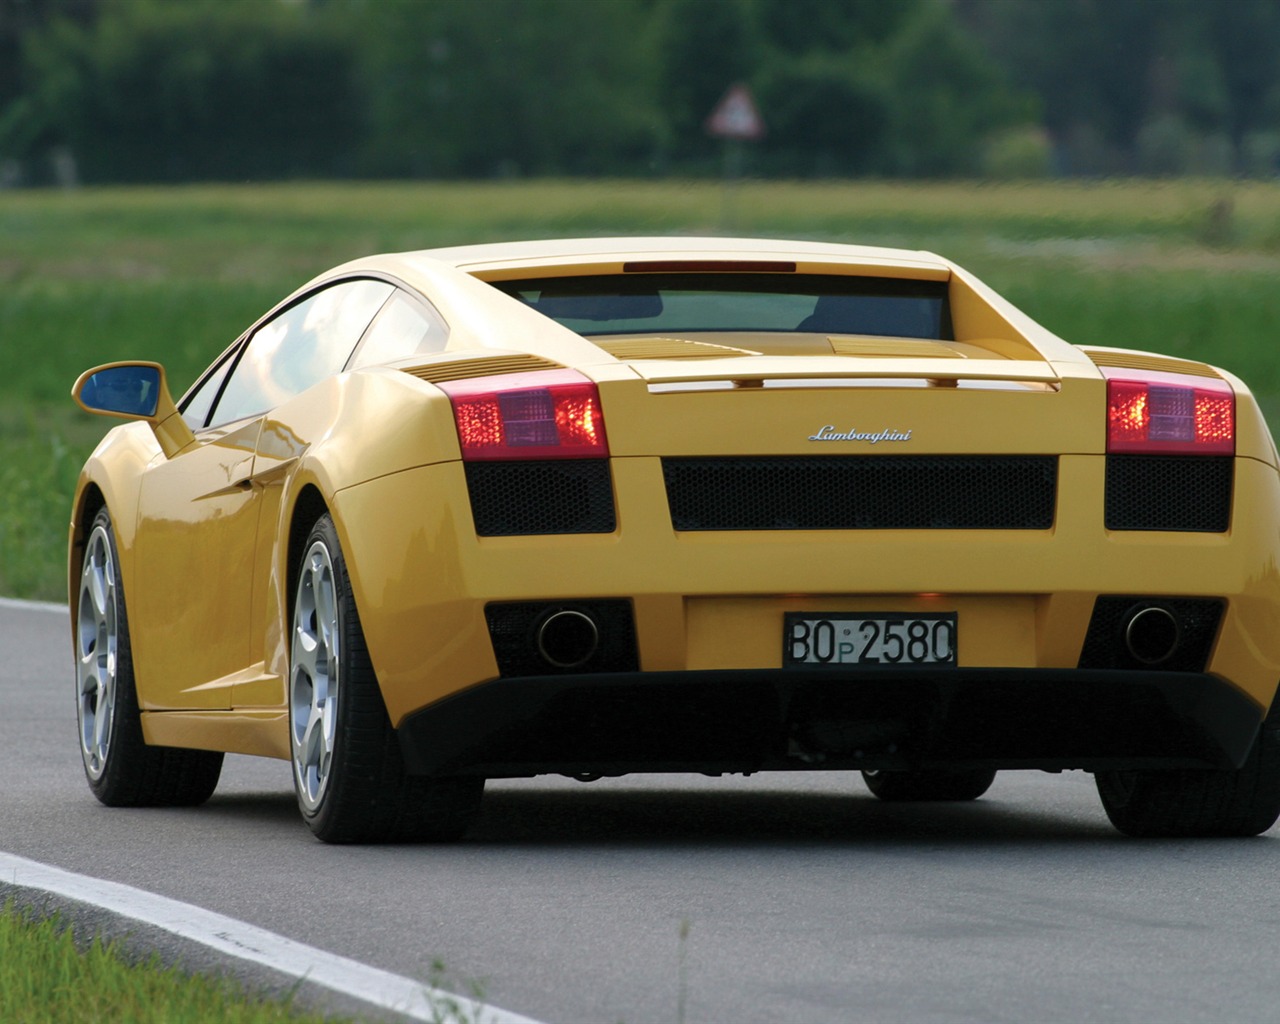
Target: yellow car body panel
{"type": "Point", "coordinates": [208, 535]}
{"type": "Point", "coordinates": [196, 521]}
{"type": "Point", "coordinates": [715, 600]}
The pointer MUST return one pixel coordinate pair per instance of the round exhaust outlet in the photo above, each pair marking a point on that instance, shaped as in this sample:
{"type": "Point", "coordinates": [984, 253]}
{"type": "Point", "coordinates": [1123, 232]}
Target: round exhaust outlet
{"type": "Point", "coordinates": [567, 639]}
{"type": "Point", "coordinates": [1151, 635]}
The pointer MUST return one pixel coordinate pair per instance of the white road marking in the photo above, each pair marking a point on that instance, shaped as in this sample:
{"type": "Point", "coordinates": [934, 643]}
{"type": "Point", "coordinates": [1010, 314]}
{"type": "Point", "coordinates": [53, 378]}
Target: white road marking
{"type": "Point", "coordinates": [32, 606]}
{"type": "Point", "coordinates": [415, 999]}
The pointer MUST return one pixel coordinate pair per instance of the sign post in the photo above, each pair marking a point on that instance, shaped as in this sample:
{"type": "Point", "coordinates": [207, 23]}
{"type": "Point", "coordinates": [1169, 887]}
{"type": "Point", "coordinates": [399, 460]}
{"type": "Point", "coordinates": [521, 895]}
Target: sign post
{"type": "Point", "coordinates": [736, 120]}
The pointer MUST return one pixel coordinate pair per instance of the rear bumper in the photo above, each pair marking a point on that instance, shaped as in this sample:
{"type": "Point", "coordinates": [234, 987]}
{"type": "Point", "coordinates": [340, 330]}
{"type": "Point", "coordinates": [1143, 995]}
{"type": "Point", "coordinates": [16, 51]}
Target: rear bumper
{"type": "Point", "coordinates": [761, 720]}
{"type": "Point", "coordinates": [717, 600]}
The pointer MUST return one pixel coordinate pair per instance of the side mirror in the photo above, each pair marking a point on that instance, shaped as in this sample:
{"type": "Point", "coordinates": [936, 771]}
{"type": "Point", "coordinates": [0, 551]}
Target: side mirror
{"type": "Point", "coordinates": [131, 390]}
{"type": "Point", "coordinates": [135, 391]}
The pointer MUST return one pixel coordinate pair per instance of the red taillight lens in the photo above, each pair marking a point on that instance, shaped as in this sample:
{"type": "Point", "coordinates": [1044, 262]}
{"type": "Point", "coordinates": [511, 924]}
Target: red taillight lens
{"type": "Point", "coordinates": [1170, 413]}
{"type": "Point", "coordinates": [548, 414]}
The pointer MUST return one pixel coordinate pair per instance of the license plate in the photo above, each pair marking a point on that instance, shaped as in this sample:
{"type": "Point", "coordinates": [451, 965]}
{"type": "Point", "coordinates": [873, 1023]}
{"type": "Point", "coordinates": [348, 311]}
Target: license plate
{"type": "Point", "coordinates": [873, 638]}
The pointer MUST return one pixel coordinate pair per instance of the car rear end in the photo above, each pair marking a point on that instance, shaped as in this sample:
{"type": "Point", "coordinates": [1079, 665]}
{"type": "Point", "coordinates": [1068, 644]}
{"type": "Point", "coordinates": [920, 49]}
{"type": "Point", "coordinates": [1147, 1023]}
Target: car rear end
{"type": "Point", "coordinates": [842, 551]}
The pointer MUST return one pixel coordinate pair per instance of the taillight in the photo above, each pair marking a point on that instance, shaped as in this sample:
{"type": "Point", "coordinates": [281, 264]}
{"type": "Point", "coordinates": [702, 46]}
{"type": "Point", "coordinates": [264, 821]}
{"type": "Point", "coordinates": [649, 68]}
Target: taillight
{"type": "Point", "coordinates": [1169, 413]}
{"type": "Point", "coordinates": [546, 414]}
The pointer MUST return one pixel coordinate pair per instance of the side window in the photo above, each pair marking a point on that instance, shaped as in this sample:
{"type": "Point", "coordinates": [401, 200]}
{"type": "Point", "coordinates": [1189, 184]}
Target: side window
{"type": "Point", "coordinates": [196, 408]}
{"type": "Point", "coordinates": [299, 347]}
{"type": "Point", "coordinates": [405, 327]}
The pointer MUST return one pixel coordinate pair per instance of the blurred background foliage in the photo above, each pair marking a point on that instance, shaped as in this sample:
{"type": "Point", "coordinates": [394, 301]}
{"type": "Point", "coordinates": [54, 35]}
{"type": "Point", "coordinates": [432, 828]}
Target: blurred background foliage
{"type": "Point", "coordinates": [451, 121]}
{"type": "Point", "coordinates": [106, 91]}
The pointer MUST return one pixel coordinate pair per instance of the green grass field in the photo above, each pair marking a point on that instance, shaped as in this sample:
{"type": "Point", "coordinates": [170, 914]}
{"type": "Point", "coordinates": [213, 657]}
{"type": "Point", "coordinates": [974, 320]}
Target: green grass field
{"type": "Point", "coordinates": [174, 274]}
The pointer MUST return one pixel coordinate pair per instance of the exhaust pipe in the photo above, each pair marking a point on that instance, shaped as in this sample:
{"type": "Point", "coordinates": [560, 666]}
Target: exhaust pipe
{"type": "Point", "coordinates": [1151, 635]}
{"type": "Point", "coordinates": [567, 639]}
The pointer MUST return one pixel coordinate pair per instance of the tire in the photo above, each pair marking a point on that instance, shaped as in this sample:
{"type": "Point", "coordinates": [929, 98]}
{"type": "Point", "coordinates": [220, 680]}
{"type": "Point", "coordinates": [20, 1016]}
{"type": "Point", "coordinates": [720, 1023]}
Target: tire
{"type": "Point", "coordinates": [122, 770]}
{"type": "Point", "coordinates": [966, 784]}
{"type": "Point", "coordinates": [1188, 803]}
{"type": "Point", "coordinates": [348, 772]}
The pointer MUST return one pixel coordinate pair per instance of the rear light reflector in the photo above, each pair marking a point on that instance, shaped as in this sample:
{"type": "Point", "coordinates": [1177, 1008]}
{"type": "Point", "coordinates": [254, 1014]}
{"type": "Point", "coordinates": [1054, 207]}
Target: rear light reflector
{"type": "Point", "coordinates": [546, 414]}
{"type": "Point", "coordinates": [1171, 414]}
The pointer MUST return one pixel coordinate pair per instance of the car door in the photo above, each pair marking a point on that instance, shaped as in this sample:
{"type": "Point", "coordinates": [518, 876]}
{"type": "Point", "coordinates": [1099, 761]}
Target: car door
{"type": "Point", "coordinates": [199, 512]}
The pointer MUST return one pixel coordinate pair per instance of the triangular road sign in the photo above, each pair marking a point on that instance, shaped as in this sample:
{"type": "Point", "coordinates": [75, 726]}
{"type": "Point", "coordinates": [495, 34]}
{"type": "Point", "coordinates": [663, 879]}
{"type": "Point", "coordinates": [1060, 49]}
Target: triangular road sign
{"type": "Point", "coordinates": [736, 116]}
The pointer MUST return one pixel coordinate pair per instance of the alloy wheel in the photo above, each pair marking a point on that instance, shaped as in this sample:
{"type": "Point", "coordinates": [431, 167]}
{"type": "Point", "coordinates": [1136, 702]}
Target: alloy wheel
{"type": "Point", "coordinates": [314, 678]}
{"type": "Point", "coordinates": [97, 646]}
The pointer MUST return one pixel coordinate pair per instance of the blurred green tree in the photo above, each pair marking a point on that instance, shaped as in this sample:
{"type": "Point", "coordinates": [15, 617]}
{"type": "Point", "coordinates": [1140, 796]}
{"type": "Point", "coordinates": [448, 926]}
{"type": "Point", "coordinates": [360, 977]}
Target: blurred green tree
{"type": "Point", "coordinates": [505, 86]}
{"type": "Point", "coordinates": [163, 91]}
{"type": "Point", "coordinates": [1142, 85]}
{"type": "Point", "coordinates": [167, 90]}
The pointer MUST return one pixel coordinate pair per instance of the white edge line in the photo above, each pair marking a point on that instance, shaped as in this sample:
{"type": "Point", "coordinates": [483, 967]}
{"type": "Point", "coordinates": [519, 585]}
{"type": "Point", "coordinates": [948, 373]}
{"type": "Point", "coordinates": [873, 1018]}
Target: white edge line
{"type": "Point", "coordinates": [415, 999]}
{"type": "Point", "coordinates": [394, 992]}
{"type": "Point", "coordinates": [32, 606]}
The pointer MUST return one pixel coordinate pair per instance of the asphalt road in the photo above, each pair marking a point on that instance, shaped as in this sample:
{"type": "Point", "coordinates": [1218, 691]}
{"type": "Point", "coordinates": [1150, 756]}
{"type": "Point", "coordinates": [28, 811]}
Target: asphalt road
{"type": "Point", "coordinates": [803, 899]}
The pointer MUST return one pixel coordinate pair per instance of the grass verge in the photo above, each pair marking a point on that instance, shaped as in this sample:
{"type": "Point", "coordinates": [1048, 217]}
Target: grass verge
{"type": "Point", "coordinates": [47, 978]}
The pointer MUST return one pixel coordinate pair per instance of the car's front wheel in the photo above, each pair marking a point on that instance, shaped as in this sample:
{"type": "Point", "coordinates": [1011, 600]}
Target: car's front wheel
{"type": "Point", "coordinates": [1186, 803]}
{"type": "Point", "coordinates": [348, 772]}
{"type": "Point", "coordinates": [123, 771]}
{"type": "Point", "coordinates": [964, 784]}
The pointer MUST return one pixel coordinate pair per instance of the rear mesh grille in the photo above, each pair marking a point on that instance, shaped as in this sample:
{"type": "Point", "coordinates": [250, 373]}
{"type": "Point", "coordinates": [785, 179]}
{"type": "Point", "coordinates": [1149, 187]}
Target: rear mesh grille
{"type": "Point", "coordinates": [863, 492]}
{"type": "Point", "coordinates": [541, 496]}
{"type": "Point", "coordinates": [1187, 493]}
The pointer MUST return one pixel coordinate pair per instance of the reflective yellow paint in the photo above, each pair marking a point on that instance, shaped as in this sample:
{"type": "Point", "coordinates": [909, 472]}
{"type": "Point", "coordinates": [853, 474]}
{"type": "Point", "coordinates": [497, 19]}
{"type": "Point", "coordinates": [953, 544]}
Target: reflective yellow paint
{"type": "Point", "coordinates": [221, 506]}
{"type": "Point", "coordinates": [257, 733]}
{"type": "Point", "coordinates": [194, 549]}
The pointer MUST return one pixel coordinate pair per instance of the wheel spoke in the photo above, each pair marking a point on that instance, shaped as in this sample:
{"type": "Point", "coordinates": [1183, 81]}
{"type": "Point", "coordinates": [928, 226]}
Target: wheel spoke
{"type": "Point", "coordinates": [314, 755]}
{"type": "Point", "coordinates": [326, 611]}
{"type": "Point", "coordinates": [328, 732]}
{"type": "Point", "coordinates": [102, 719]}
{"type": "Point", "coordinates": [97, 590]}
{"type": "Point", "coordinates": [305, 653]}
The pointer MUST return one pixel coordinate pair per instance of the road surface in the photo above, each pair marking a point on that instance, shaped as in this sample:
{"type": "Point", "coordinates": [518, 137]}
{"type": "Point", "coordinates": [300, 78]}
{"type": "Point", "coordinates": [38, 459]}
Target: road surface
{"type": "Point", "coordinates": [800, 897]}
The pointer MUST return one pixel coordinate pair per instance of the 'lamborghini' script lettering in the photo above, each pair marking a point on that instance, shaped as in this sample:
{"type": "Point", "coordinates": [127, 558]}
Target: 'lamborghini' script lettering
{"type": "Point", "coordinates": [829, 433]}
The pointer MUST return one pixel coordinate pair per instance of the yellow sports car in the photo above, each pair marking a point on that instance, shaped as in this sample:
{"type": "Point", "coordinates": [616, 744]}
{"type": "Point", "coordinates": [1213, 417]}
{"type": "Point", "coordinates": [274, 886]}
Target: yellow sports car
{"type": "Point", "coordinates": [601, 506]}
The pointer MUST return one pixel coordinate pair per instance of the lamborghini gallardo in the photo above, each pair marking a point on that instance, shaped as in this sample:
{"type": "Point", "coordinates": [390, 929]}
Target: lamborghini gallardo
{"type": "Point", "coordinates": [594, 507]}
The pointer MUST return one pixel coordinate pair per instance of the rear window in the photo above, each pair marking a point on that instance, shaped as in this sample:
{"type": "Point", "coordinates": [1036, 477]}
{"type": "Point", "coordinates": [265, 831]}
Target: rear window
{"type": "Point", "coordinates": [680, 303]}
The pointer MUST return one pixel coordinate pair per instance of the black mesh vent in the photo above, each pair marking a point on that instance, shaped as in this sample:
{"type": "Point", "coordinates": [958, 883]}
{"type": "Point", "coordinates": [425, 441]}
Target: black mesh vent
{"type": "Point", "coordinates": [553, 496]}
{"type": "Point", "coordinates": [1104, 644]}
{"type": "Point", "coordinates": [1188, 493]}
{"type": "Point", "coordinates": [513, 628]}
{"type": "Point", "coordinates": [863, 492]}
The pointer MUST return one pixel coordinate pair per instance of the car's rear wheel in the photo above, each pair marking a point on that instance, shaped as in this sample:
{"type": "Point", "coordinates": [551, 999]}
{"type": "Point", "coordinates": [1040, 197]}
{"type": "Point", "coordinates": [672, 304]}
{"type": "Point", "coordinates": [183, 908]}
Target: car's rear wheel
{"type": "Point", "coordinates": [1186, 803]}
{"type": "Point", "coordinates": [966, 784]}
{"type": "Point", "coordinates": [123, 771]}
{"type": "Point", "coordinates": [348, 772]}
